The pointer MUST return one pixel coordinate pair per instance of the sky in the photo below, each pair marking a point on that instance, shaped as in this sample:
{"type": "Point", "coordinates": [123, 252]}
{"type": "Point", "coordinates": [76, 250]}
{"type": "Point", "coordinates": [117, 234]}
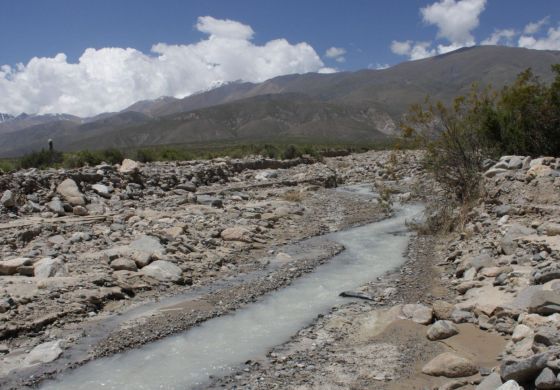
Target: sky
{"type": "Point", "coordinates": [87, 57]}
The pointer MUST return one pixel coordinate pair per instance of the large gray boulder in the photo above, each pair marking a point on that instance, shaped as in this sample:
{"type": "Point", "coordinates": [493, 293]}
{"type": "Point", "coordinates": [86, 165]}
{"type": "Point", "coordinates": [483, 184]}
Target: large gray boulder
{"type": "Point", "coordinates": [450, 365]}
{"type": "Point", "coordinates": [547, 380]}
{"type": "Point", "coordinates": [162, 270]}
{"type": "Point", "coordinates": [69, 190]}
{"type": "Point", "coordinates": [525, 370]}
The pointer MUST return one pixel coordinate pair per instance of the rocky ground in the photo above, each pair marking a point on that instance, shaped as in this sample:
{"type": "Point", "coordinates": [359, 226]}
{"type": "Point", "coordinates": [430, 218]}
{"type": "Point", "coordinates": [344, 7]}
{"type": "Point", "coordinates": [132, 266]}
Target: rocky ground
{"type": "Point", "coordinates": [478, 308]}
{"type": "Point", "coordinates": [80, 246]}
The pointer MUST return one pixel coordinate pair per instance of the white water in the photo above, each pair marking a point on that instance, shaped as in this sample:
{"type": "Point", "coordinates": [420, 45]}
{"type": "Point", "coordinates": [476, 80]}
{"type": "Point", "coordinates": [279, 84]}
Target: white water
{"type": "Point", "coordinates": [220, 345]}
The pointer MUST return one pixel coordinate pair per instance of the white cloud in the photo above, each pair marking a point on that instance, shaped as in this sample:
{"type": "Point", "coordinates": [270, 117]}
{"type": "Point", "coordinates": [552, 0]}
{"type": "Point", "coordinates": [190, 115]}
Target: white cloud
{"type": "Point", "coordinates": [336, 53]}
{"type": "Point", "coordinates": [454, 19]}
{"type": "Point", "coordinates": [500, 37]}
{"type": "Point", "coordinates": [110, 79]}
{"type": "Point", "coordinates": [535, 27]}
{"type": "Point", "coordinates": [414, 50]}
{"type": "Point", "coordinates": [549, 42]}
{"type": "Point", "coordinates": [401, 48]}
{"type": "Point", "coordinates": [224, 28]}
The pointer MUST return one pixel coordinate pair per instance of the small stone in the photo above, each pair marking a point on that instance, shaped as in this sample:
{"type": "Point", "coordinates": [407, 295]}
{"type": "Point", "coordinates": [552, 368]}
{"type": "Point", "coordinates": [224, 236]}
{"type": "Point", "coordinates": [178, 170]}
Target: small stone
{"type": "Point", "coordinates": [129, 166]}
{"type": "Point", "coordinates": [510, 385]}
{"type": "Point", "coordinates": [520, 332]}
{"type": "Point", "coordinates": [44, 353]}
{"type": "Point", "coordinates": [49, 267]}
{"type": "Point", "coordinates": [8, 199]}
{"type": "Point", "coordinates": [441, 330]}
{"type": "Point", "coordinates": [491, 382]}
{"type": "Point", "coordinates": [236, 233]}
{"type": "Point", "coordinates": [122, 264]}
{"type": "Point", "coordinates": [162, 270]}
{"type": "Point", "coordinates": [442, 310]}
{"type": "Point", "coordinates": [80, 210]}
{"type": "Point", "coordinates": [56, 207]}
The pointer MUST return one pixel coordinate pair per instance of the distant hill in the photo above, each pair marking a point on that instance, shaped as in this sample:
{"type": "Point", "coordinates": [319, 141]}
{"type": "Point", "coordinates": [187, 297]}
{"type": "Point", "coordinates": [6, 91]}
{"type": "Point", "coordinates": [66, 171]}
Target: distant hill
{"type": "Point", "coordinates": [348, 106]}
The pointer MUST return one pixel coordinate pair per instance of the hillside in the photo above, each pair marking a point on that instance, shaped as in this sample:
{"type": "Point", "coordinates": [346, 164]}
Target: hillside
{"type": "Point", "coordinates": [346, 106]}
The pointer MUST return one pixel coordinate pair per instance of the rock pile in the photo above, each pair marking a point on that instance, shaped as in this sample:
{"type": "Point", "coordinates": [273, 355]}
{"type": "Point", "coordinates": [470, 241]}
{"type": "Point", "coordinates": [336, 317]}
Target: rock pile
{"type": "Point", "coordinates": [505, 268]}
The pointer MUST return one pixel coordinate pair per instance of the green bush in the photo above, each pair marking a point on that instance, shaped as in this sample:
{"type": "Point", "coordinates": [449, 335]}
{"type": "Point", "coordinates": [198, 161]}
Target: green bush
{"type": "Point", "coordinates": [523, 119]}
{"type": "Point", "coordinates": [42, 159]}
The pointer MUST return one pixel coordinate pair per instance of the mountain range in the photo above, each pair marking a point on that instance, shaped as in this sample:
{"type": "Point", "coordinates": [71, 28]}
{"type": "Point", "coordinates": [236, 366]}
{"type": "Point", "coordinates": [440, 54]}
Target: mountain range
{"type": "Point", "coordinates": [361, 106]}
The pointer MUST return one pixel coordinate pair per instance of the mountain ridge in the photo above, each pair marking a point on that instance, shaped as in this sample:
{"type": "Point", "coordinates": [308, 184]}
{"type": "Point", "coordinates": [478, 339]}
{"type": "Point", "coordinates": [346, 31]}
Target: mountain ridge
{"type": "Point", "coordinates": [366, 104]}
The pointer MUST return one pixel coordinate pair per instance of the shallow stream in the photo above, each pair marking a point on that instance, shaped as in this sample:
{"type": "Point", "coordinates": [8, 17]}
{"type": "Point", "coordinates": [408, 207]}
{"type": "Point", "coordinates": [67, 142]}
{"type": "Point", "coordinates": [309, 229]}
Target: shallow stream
{"type": "Point", "coordinates": [219, 346]}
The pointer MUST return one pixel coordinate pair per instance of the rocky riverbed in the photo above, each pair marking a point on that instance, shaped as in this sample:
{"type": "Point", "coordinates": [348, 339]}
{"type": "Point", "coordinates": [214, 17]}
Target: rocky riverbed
{"type": "Point", "coordinates": [80, 248]}
{"type": "Point", "coordinates": [477, 309]}
{"type": "Point", "coordinates": [99, 260]}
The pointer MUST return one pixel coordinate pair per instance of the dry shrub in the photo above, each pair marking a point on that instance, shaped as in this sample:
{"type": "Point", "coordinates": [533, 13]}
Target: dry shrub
{"type": "Point", "coordinates": [293, 196]}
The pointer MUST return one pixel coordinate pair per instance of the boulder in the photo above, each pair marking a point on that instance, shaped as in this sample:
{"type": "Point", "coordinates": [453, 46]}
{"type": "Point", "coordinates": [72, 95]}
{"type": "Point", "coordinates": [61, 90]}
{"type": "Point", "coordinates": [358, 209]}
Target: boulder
{"type": "Point", "coordinates": [121, 264]}
{"type": "Point", "coordinates": [129, 166]}
{"type": "Point", "coordinates": [102, 190]}
{"type": "Point", "coordinates": [510, 385]}
{"type": "Point", "coordinates": [508, 245]}
{"type": "Point", "coordinates": [459, 316]}
{"type": "Point", "coordinates": [552, 229]}
{"type": "Point", "coordinates": [236, 233]}
{"type": "Point", "coordinates": [442, 310]}
{"type": "Point", "coordinates": [544, 302]}
{"type": "Point", "coordinates": [418, 313]}
{"type": "Point", "coordinates": [56, 207]}
{"type": "Point", "coordinates": [450, 365]}
{"type": "Point", "coordinates": [525, 370]}
{"type": "Point", "coordinates": [44, 353]}
{"type": "Point", "coordinates": [494, 171]}
{"type": "Point", "coordinates": [547, 380]}
{"type": "Point", "coordinates": [491, 382]}
{"type": "Point", "coordinates": [441, 330]}
{"type": "Point", "coordinates": [49, 267]}
{"type": "Point", "coordinates": [11, 267]}
{"type": "Point", "coordinates": [520, 332]}
{"type": "Point", "coordinates": [8, 199]}
{"type": "Point", "coordinates": [69, 190]}
{"type": "Point", "coordinates": [163, 271]}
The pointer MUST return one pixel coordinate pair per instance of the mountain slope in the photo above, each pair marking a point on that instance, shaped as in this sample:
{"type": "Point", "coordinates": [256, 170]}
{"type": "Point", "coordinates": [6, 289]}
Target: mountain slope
{"type": "Point", "coordinates": [345, 106]}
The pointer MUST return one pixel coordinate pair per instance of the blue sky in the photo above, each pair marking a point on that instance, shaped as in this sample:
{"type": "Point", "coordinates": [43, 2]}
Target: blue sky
{"type": "Point", "coordinates": [363, 33]}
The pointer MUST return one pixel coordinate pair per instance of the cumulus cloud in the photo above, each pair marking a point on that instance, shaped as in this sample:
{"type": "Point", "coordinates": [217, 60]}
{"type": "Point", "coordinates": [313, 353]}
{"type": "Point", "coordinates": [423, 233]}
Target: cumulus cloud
{"type": "Point", "coordinates": [454, 19]}
{"type": "Point", "coordinates": [551, 41]}
{"type": "Point", "coordinates": [110, 79]}
{"type": "Point", "coordinates": [535, 27]}
{"type": "Point", "coordinates": [504, 36]}
{"type": "Point", "coordinates": [336, 53]}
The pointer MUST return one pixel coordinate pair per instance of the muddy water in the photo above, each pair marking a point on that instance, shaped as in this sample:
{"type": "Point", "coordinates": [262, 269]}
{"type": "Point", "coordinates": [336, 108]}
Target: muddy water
{"type": "Point", "coordinates": [220, 345]}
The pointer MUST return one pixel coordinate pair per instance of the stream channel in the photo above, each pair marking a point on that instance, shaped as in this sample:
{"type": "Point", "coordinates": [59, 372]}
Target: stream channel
{"type": "Point", "coordinates": [219, 346]}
